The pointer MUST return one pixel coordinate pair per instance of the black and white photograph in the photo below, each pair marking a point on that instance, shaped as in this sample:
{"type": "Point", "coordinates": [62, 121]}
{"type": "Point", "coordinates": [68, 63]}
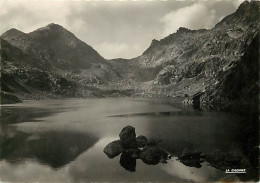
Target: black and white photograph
{"type": "Point", "coordinates": [129, 91]}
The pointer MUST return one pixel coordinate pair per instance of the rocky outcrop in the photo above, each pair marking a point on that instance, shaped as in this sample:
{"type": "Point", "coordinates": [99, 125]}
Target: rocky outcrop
{"type": "Point", "coordinates": [192, 61]}
{"type": "Point", "coordinates": [238, 86]}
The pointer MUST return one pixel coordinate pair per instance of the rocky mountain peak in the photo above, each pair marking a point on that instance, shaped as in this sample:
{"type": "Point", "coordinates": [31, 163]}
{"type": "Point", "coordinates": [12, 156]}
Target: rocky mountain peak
{"type": "Point", "coordinates": [249, 9]}
{"type": "Point", "coordinates": [51, 31]}
{"type": "Point", "coordinates": [52, 27]}
{"type": "Point", "coordinates": [247, 13]}
{"type": "Point", "coordinates": [12, 33]}
{"type": "Point", "coordinates": [243, 6]}
{"type": "Point", "coordinates": [16, 38]}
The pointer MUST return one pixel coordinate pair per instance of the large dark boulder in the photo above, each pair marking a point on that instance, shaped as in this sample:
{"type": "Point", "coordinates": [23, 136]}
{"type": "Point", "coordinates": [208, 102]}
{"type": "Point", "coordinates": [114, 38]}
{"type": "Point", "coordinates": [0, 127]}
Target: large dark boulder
{"type": "Point", "coordinates": [127, 135]}
{"type": "Point", "coordinates": [113, 149]}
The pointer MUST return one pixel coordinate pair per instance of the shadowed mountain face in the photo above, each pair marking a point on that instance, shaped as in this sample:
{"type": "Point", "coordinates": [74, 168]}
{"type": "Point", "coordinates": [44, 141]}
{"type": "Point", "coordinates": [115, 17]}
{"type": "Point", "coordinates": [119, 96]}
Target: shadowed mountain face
{"type": "Point", "coordinates": [185, 63]}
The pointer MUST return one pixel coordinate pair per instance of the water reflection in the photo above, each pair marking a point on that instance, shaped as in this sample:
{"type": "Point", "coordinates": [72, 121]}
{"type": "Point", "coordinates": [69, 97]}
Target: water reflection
{"type": "Point", "coordinates": [14, 115]}
{"type": "Point", "coordinates": [127, 162]}
{"type": "Point", "coordinates": [55, 149]}
{"type": "Point", "coordinates": [161, 114]}
{"type": "Point", "coordinates": [63, 141]}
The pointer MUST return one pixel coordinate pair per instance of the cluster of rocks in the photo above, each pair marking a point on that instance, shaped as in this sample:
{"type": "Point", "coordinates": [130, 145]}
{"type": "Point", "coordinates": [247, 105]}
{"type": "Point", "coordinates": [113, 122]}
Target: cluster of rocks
{"type": "Point", "coordinates": [131, 148]}
{"type": "Point", "coordinates": [191, 158]}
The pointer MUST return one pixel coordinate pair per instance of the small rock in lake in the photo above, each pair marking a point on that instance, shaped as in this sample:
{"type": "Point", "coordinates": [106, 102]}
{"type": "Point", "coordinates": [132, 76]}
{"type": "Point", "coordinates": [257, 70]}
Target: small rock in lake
{"type": "Point", "coordinates": [131, 145]}
{"type": "Point", "coordinates": [141, 141]}
{"type": "Point", "coordinates": [134, 153]}
{"type": "Point", "coordinates": [153, 155]}
{"type": "Point", "coordinates": [186, 155]}
{"type": "Point", "coordinates": [114, 148]}
{"type": "Point", "coordinates": [191, 158]}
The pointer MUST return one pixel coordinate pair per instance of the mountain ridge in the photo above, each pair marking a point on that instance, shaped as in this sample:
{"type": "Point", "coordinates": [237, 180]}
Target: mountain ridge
{"type": "Point", "coordinates": [184, 63]}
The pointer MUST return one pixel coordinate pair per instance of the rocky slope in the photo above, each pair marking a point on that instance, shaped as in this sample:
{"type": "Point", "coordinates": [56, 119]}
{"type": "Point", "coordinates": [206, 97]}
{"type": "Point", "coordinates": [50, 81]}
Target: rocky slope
{"type": "Point", "coordinates": [206, 64]}
{"type": "Point", "coordinates": [218, 68]}
{"type": "Point", "coordinates": [51, 62]}
{"type": "Point", "coordinates": [53, 47]}
{"type": "Point", "coordinates": [190, 60]}
{"type": "Point", "coordinates": [238, 87]}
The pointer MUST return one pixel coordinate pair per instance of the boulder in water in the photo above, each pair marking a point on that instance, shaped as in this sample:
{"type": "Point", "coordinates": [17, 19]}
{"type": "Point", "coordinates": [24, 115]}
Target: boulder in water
{"type": "Point", "coordinates": [141, 141]}
{"type": "Point", "coordinates": [187, 155]}
{"type": "Point", "coordinates": [153, 155]}
{"type": "Point", "coordinates": [113, 149]}
{"type": "Point", "coordinates": [134, 153]}
{"type": "Point", "coordinates": [127, 135]}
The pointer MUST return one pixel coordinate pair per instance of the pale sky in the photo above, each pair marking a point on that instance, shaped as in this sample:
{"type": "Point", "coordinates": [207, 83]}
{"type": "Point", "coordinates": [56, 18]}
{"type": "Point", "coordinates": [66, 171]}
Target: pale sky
{"type": "Point", "coordinates": [115, 29]}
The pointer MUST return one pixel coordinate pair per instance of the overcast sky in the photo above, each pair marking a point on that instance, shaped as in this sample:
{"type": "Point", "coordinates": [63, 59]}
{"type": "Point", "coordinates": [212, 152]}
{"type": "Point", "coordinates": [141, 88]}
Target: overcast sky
{"type": "Point", "coordinates": [115, 28]}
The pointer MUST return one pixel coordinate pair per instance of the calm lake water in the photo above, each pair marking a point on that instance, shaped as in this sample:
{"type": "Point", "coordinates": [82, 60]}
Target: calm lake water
{"type": "Point", "coordinates": [63, 140]}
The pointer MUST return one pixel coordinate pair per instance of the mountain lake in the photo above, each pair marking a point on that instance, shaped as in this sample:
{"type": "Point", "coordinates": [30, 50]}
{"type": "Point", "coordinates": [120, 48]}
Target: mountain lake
{"type": "Point", "coordinates": [63, 140]}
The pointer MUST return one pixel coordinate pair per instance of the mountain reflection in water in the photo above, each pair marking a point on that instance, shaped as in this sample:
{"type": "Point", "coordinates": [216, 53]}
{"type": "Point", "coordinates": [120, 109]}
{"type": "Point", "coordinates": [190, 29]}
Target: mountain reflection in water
{"type": "Point", "coordinates": [63, 140]}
